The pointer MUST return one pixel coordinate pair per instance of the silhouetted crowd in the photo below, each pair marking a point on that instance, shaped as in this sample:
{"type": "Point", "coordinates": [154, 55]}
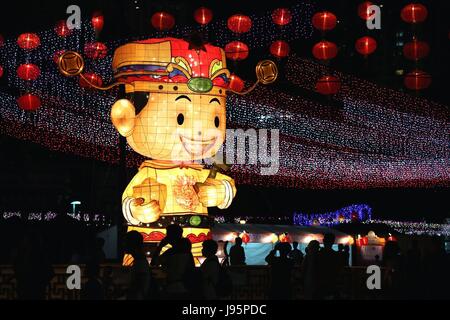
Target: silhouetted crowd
{"type": "Point", "coordinates": [412, 275]}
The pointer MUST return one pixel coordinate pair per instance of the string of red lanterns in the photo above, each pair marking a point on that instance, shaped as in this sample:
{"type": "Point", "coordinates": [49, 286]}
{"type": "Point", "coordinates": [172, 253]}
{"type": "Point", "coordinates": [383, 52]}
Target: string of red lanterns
{"type": "Point", "coordinates": [415, 50]}
{"type": "Point", "coordinates": [325, 50]}
{"type": "Point", "coordinates": [281, 17]}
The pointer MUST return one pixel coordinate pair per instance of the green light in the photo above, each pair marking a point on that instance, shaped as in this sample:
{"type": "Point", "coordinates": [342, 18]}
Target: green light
{"type": "Point", "coordinates": [195, 221]}
{"type": "Point", "coordinates": [200, 84]}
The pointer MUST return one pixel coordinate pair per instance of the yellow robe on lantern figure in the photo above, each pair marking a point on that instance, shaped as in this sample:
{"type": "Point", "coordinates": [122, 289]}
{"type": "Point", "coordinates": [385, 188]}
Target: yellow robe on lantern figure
{"type": "Point", "coordinates": [175, 114]}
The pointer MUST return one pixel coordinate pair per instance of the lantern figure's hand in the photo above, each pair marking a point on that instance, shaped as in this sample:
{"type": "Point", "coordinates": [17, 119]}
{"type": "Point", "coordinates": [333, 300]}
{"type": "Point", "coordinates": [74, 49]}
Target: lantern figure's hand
{"type": "Point", "coordinates": [215, 193]}
{"type": "Point", "coordinates": [145, 212]}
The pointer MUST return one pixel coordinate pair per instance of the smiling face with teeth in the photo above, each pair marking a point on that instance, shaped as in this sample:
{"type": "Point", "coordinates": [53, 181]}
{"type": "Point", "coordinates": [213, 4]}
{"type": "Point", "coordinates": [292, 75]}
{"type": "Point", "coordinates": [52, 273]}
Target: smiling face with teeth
{"type": "Point", "coordinates": [179, 126]}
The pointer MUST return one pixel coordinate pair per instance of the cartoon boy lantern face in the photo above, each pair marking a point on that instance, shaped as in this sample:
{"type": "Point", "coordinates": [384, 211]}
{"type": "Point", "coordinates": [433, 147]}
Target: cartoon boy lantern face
{"type": "Point", "coordinates": [180, 114]}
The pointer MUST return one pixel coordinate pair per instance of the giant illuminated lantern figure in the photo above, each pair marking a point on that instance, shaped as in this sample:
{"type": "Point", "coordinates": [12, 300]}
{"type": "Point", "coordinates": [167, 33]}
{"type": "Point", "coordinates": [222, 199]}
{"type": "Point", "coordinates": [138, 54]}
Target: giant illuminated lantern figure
{"type": "Point", "coordinates": [174, 114]}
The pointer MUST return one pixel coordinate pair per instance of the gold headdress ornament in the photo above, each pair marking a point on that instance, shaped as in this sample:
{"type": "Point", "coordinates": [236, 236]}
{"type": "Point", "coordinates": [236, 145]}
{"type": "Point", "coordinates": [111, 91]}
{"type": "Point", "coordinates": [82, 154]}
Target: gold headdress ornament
{"type": "Point", "coordinates": [156, 59]}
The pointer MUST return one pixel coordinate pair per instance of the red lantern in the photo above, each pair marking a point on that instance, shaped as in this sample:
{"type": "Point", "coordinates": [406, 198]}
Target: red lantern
{"type": "Point", "coordinates": [239, 23]}
{"type": "Point", "coordinates": [92, 78]}
{"type": "Point", "coordinates": [416, 50]}
{"type": "Point", "coordinates": [28, 41]}
{"type": "Point", "coordinates": [95, 50]}
{"type": "Point", "coordinates": [57, 54]}
{"type": "Point", "coordinates": [414, 13]}
{"type": "Point", "coordinates": [97, 21]}
{"type": "Point", "coordinates": [366, 45]}
{"type": "Point", "coordinates": [328, 85]}
{"type": "Point", "coordinates": [1, 71]}
{"type": "Point", "coordinates": [281, 16]}
{"type": "Point", "coordinates": [324, 50]}
{"type": "Point", "coordinates": [29, 102]}
{"type": "Point", "coordinates": [280, 49]}
{"type": "Point", "coordinates": [236, 83]}
{"type": "Point", "coordinates": [236, 50]}
{"type": "Point", "coordinates": [324, 21]}
{"type": "Point", "coordinates": [163, 21]}
{"type": "Point", "coordinates": [203, 15]}
{"type": "Point", "coordinates": [2, 40]}
{"type": "Point", "coordinates": [61, 29]}
{"type": "Point", "coordinates": [28, 71]}
{"type": "Point", "coordinates": [417, 80]}
{"type": "Point", "coordinates": [245, 237]}
{"type": "Point", "coordinates": [363, 10]}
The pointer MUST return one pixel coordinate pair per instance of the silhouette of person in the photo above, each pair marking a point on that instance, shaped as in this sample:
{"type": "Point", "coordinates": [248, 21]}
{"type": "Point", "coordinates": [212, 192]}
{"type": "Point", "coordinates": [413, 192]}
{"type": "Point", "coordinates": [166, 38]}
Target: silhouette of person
{"type": "Point", "coordinates": [237, 253]}
{"type": "Point", "coordinates": [93, 288]}
{"type": "Point", "coordinates": [140, 275]}
{"type": "Point", "coordinates": [296, 255]}
{"type": "Point", "coordinates": [32, 269]}
{"type": "Point", "coordinates": [346, 255]}
{"type": "Point", "coordinates": [210, 269]}
{"type": "Point", "coordinates": [177, 262]}
{"type": "Point", "coordinates": [310, 272]}
{"type": "Point", "coordinates": [329, 267]}
{"type": "Point", "coordinates": [281, 272]}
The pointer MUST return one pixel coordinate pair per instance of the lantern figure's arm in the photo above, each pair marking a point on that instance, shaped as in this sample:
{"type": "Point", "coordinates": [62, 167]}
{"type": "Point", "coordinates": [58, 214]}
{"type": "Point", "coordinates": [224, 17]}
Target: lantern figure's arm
{"type": "Point", "coordinates": [140, 201]}
{"type": "Point", "coordinates": [217, 192]}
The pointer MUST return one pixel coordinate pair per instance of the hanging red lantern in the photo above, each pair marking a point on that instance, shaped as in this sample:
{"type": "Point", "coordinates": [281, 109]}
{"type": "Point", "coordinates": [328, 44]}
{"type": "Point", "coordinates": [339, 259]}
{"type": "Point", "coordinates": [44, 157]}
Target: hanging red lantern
{"type": "Point", "coordinates": [236, 50]}
{"type": "Point", "coordinates": [28, 71]}
{"type": "Point", "coordinates": [285, 238]}
{"type": "Point", "coordinates": [236, 83]}
{"type": "Point", "coordinates": [281, 16]}
{"type": "Point", "coordinates": [239, 23]}
{"type": "Point", "coordinates": [1, 71]}
{"type": "Point", "coordinates": [61, 29]}
{"type": "Point", "coordinates": [324, 50]}
{"type": "Point", "coordinates": [366, 45]}
{"type": "Point", "coordinates": [245, 237]}
{"type": "Point", "coordinates": [416, 50]}
{"type": "Point", "coordinates": [417, 80]}
{"type": "Point", "coordinates": [328, 85]}
{"type": "Point", "coordinates": [95, 50]}
{"type": "Point", "coordinates": [28, 41]}
{"type": "Point", "coordinates": [97, 21]}
{"type": "Point", "coordinates": [280, 49]}
{"type": "Point", "coordinates": [363, 10]}
{"type": "Point", "coordinates": [29, 102]}
{"type": "Point", "coordinates": [324, 21]}
{"type": "Point", "coordinates": [163, 21]}
{"type": "Point", "coordinates": [414, 13]}
{"type": "Point", "coordinates": [203, 15]}
{"type": "Point", "coordinates": [92, 78]}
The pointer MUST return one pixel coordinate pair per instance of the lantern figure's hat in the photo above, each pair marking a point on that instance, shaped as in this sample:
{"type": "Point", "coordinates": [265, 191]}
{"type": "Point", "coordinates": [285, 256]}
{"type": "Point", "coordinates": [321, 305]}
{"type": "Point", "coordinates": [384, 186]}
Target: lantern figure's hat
{"type": "Point", "coordinates": [169, 64]}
